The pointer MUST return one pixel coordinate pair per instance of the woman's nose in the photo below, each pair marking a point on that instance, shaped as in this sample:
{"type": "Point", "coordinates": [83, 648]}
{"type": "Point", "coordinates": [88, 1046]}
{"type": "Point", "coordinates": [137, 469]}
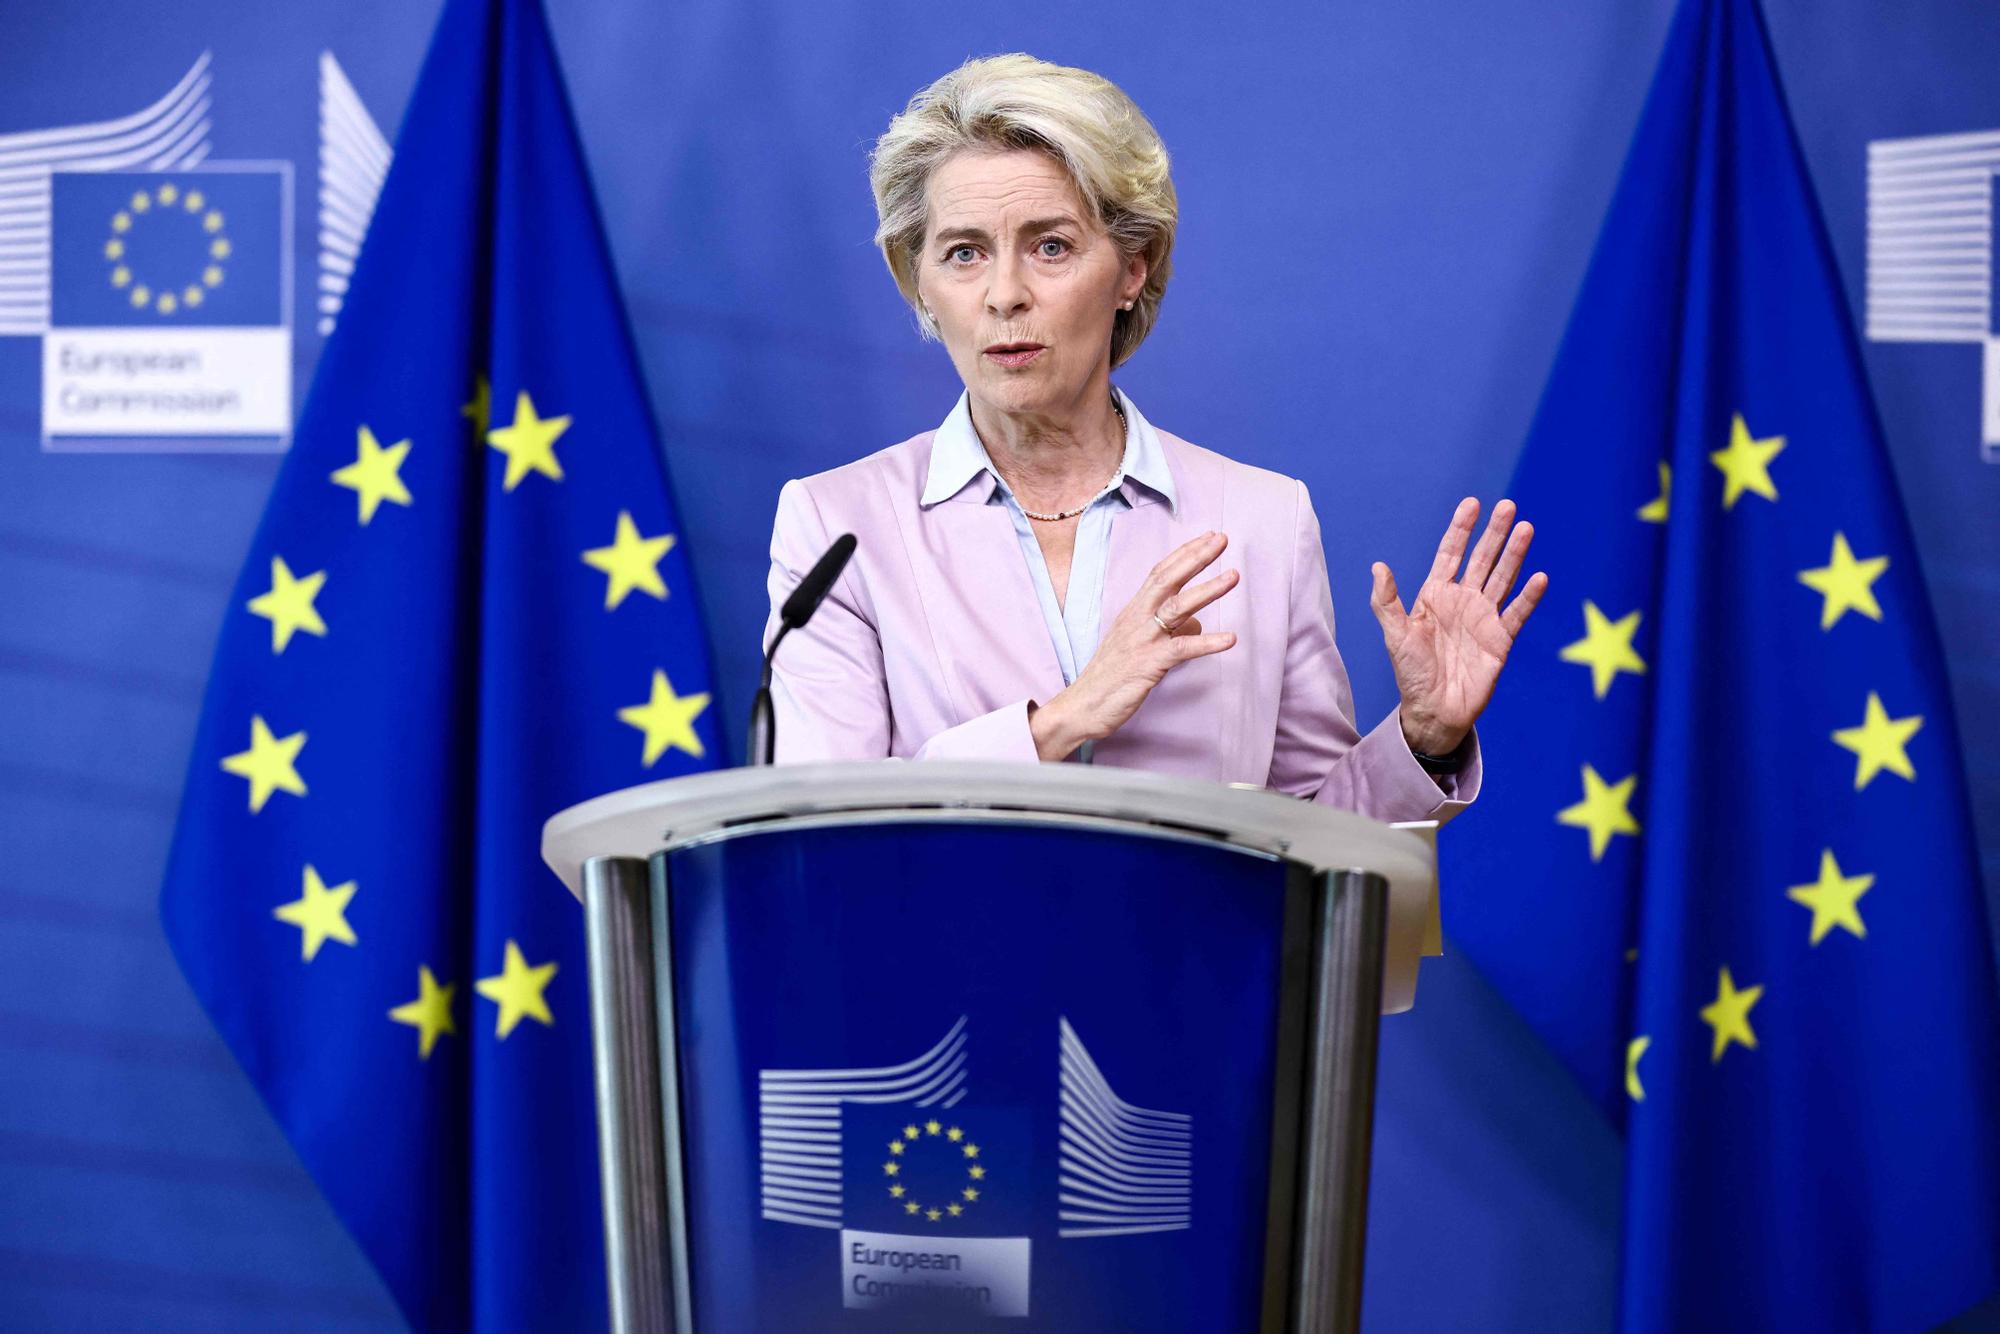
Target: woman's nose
{"type": "Point", "coordinates": [1006, 287]}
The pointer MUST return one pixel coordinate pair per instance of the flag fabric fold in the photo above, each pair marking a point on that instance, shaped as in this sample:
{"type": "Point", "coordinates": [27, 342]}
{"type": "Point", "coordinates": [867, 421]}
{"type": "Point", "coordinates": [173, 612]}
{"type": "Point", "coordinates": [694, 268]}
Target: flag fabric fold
{"type": "Point", "coordinates": [467, 606]}
{"type": "Point", "coordinates": [1732, 881]}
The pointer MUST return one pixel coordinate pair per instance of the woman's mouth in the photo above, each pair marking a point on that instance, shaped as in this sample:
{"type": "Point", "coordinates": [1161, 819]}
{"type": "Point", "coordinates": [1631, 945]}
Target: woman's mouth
{"type": "Point", "coordinates": [1014, 355]}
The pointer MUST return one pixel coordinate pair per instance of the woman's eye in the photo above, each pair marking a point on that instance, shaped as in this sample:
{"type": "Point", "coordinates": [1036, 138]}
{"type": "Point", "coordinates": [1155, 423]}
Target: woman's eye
{"type": "Point", "coordinates": [1055, 241]}
{"type": "Point", "coordinates": [956, 251]}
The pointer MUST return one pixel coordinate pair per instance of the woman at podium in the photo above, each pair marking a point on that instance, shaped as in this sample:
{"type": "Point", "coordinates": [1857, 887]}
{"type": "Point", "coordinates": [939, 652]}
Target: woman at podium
{"type": "Point", "coordinates": [1047, 575]}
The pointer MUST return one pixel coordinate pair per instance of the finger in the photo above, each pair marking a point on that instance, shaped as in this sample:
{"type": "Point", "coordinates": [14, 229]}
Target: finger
{"type": "Point", "coordinates": [1517, 611]}
{"type": "Point", "coordinates": [1481, 563]}
{"type": "Point", "coordinates": [1185, 647]}
{"type": "Point", "coordinates": [1502, 579]}
{"type": "Point", "coordinates": [1182, 564]}
{"type": "Point", "coordinates": [1186, 625]}
{"type": "Point", "coordinates": [1383, 601]}
{"type": "Point", "coordinates": [1194, 599]}
{"type": "Point", "coordinates": [1455, 537]}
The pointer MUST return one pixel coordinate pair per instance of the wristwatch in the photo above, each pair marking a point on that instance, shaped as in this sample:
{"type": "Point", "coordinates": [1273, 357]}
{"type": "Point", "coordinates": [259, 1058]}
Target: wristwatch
{"type": "Point", "coordinates": [1445, 764]}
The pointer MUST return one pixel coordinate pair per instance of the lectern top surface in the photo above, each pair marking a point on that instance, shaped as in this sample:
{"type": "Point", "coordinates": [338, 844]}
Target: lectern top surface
{"type": "Point", "coordinates": [652, 817]}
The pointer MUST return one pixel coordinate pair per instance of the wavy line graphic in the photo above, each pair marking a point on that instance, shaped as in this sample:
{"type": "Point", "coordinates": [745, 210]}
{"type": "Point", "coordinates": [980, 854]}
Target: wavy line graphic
{"type": "Point", "coordinates": [171, 133]}
{"type": "Point", "coordinates": [1930, 237]}
{"type": "Point", "coordinates": [353, 161]}
{"type": "Point", "coordinates": [1122, 1169]}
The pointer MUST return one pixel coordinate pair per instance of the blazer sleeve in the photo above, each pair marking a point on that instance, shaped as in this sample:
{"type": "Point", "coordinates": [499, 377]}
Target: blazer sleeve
{"type": "Point", "coordinates": [1319, 754]}
{"type": "Point", "coordinates": [829, 686]}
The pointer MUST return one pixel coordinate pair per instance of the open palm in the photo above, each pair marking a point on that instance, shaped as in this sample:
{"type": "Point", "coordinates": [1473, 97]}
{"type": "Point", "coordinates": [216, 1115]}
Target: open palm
{"type": "Point", "coordinates": [1448, 648]}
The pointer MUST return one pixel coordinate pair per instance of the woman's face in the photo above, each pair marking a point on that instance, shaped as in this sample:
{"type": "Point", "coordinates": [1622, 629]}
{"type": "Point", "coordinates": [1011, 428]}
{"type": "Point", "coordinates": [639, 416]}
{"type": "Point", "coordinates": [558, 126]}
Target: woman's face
{"type": "Point", "coordinates": [1011, 257]}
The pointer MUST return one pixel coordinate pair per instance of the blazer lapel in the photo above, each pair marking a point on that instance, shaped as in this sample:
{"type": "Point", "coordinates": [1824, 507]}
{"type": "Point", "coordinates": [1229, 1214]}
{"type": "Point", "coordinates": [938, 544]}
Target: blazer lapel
{"type": "Point", "coordinates": [1188, 724]}
{"type": "Point", "coordinates": [985, 618]}
{"type": "Point", "coordinates": [1142, 537]}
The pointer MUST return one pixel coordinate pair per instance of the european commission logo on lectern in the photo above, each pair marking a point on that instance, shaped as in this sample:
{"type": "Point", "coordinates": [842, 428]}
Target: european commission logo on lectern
{"type": "Point", "coordinates": [927, 1190]}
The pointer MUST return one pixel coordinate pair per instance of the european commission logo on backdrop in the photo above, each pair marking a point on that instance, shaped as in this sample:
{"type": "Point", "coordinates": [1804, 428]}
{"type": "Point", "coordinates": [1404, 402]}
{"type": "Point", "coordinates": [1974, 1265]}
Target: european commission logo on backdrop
{"type": "Point", "coordinates": [931, 1195]}
{"type": "Point", "coordinates": [1930, 251]}
{"type": "Point", "coordinates": [161, 280]}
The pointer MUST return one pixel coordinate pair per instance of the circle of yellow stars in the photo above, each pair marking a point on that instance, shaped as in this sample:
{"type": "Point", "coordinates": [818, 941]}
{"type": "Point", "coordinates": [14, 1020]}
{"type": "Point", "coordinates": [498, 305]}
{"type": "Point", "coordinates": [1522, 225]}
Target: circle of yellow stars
{"type": "Point", "coordinates": [166, 200]}
{"type": "Point", "coordinates": [270, 765]}
{"type": "Point", "coordinates": [1879, 742]}
{"type": "Point", "coordinates": [975, 1171]}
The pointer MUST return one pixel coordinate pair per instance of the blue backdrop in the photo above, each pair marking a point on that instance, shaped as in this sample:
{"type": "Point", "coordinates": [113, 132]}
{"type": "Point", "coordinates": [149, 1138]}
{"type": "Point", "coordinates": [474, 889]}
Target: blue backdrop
{"type": "Point", "coordinates": [1385, 215]}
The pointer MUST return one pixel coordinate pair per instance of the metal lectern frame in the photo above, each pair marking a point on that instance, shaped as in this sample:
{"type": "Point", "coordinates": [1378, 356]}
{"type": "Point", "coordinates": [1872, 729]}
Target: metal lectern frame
{"type": "Point", "coordinates": [1364, 924]}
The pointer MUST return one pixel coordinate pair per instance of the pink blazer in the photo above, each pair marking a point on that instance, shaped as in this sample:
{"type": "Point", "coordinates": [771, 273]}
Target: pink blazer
{"type": "Point", "coordinates": [932, 642]}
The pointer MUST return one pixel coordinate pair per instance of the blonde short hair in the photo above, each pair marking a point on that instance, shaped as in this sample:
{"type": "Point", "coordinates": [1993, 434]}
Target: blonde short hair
{"type": "Point", "coordinates": [1084, 121]}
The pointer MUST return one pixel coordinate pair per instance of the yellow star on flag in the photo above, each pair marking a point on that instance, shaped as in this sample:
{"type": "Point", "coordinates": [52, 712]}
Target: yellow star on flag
{"type": "Point", "coordinates": [1729, 1015]}
{"type": "Point", "coordinates": [269, 764]}
{"type": "Point", "coordinates": [1606, 648]}
{"type": "Point", "coordinates": [897, 1191]}
{"type": "Point", "coordinates": [933, 1127]}
{"type": "Point", "coordinates": [976, 1172]}
{"type": "Point", "coordinates": [375, 475]}
{"type": "Point", "coordinates": [892, 1167]}
{"type": "Point", "coordinates": [1833, 899]}
{"type": "Point", "coordinates": [320, 914]}
{"type": "Point", "coordinates": [1847, 584]}
{"type": "Point", "coordinates": [529, 444]}
{"type": "Point", "coordinates": [1635, 1049]}
{"type": "Point", "coordinates": [911, 1207]}
{"type": "Point", "coordinates": [909, 1132]}
{"type": "Point", "coordinates": [1879, 742]}
{"type": "Point", "coordinates": [480, 410]}
{"type": "Point", "coordinates": [1746, 464]}
{"type": "Point", "coordinates": [289, 605]}
{"type": "Point", "coordinates": [631, 561]}
{"type": "Point", "coordinates": [932, 1214]}
{"type": "Point", "coordinates": [1655, 511]}
{"type": "Point", "coordinates": [954, 1134]}
{"type": "Point", "coordinates": [970, 1192]}
{"type": "Point", "coordinates": [954, 1209]}
{"type": "Point", "coordinates": [429, 1013]}
{"type": "Point", "coordinates": [517, 990]}
{"type": "Point", "coordinates": [667, 719]}
{"type": "Point", "coordinates": [1605, 810]}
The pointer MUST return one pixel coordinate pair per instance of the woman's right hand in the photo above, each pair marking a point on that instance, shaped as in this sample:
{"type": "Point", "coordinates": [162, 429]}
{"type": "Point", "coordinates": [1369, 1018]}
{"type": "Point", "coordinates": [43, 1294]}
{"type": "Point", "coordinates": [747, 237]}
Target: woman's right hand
{"type": "Point", "coordinates": [1134, 654]}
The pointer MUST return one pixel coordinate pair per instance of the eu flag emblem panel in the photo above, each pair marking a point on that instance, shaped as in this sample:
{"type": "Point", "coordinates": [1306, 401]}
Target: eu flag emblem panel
{"type": "Point", "coordinates": [170, 249]}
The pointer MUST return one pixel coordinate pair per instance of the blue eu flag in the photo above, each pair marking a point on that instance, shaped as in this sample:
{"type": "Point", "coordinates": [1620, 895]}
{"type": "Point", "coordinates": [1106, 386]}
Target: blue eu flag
{"type": "Point", "coordinates": [1732, 881]}
{"type": "Point", "coordinates": [466, 608]}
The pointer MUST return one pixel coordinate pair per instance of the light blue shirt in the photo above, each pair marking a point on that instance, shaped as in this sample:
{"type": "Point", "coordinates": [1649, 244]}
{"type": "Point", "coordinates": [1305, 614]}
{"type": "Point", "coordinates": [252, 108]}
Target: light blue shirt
{"type": "Point", "coordinates": [1074, 624]}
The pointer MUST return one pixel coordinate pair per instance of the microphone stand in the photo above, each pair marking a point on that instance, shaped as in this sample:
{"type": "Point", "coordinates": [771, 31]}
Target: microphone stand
{"type": "Point", "coordinates": [763, 741]}
{"type": "Point", "coordinates": [796, 611]}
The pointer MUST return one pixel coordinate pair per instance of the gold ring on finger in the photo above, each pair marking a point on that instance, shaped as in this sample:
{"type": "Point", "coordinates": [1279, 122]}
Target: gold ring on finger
{"type": "Point", "coordinates": [1162, 624]}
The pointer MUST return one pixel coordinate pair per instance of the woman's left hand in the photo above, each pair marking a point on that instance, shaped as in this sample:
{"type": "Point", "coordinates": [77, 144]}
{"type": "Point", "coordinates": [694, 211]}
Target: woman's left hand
{"type": "Point", "coordinates": [1449, 647]}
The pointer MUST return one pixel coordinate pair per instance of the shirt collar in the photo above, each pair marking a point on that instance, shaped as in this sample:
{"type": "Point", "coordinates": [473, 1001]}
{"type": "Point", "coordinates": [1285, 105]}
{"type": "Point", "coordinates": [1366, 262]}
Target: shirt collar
{"type": "Point", "coordinates": [958, 456]}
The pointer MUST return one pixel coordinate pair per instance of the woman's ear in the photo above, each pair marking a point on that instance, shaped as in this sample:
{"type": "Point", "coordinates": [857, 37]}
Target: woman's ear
{"type": "Point", "coordinates": [1136, 269]}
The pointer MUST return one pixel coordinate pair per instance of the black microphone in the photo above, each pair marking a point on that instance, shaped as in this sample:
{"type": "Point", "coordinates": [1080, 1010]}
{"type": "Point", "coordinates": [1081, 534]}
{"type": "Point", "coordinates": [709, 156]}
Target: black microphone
{"type": "Point", "coordinates": [798, 609]}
